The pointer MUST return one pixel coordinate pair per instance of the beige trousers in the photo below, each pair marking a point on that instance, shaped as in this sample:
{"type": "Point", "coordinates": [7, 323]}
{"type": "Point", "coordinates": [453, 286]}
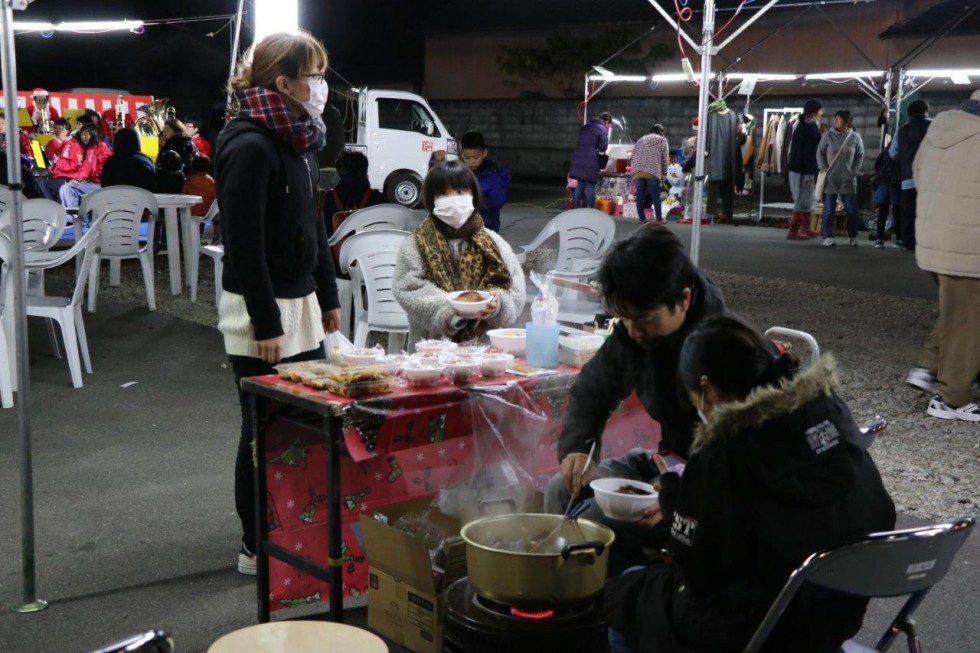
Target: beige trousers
{"type": "Point", "coordinates": [953, 348]}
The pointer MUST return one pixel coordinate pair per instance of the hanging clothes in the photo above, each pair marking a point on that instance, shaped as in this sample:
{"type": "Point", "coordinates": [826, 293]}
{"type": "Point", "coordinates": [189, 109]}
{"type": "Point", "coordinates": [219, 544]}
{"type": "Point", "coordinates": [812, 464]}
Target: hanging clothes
{"type": "Point", "coordinates": [780, 141]}
{"type": "Point", "coordinates": [766, 148]}
{"type": "Point", "coordinates": [722, 143]}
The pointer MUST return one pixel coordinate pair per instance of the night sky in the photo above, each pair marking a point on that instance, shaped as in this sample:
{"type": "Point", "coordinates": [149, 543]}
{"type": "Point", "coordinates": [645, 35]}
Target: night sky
{"type": "Point", "coordinates": [370, 42]}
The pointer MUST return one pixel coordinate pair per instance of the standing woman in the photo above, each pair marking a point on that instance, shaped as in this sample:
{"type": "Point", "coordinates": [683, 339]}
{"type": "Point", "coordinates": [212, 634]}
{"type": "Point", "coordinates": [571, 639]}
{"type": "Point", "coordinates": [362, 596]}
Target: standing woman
{"type": "Point", "coordinates": [593, 139]}
{"type": "Point", "coordinates": [280, 291]}
{"type": "Point", "coordinates": [840, 154]}
{"type": "Point", "coordinates": [802, 167]}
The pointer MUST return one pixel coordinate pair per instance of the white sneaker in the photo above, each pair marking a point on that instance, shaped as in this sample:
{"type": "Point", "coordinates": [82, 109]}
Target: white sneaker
{"type": "Point", "coordinates": [246, 562]}
{"type": "Point", "coordinates": [942, 410]}
{"type": "Point", "coordinates": [923, 379]}
{"type": "Point", "coordinates": [852, 242]}
{"type": "Point", "coordinates": [879, 244]}
{"type": "Point", "coordinates": [829, 242]}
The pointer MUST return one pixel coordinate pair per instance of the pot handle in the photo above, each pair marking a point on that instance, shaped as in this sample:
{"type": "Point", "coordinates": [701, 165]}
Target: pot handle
{"type": "Point", "coordinates": [489, 502]}
{"type": "Point", "coordinates": [597, 546]}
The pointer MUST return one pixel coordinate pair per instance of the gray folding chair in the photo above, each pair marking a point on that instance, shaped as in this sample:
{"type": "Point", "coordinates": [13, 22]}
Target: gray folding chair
{"type": "Point", "coordinates": [153, 641]}
{"type": "Point", "coordinates": [894, 563]}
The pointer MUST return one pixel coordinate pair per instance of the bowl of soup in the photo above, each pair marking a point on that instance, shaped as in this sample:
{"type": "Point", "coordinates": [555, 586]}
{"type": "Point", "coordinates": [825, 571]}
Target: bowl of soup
{"type": "Point", "coordinates": [623, 498]}
{"type": "Point", "coordinates": [469, 303]}
{"type": "Point", "coordinates": [511, 341]}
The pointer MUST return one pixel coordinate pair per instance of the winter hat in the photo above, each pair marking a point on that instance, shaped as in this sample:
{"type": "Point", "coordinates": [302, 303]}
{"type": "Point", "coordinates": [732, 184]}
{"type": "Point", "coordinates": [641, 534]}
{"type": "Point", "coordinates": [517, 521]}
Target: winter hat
{"type": "Point", "coordinates": [812, 105]}
{"type": "Point", "coordinates": [694, 124]}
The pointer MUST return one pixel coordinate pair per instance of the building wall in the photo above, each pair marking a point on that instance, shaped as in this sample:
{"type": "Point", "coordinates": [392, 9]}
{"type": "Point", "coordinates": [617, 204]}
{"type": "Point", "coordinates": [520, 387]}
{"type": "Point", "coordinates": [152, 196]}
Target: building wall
{"type": "Point", "coordinates": [464, 66]}
{"type": "Point", "coordinates": [536, 137]}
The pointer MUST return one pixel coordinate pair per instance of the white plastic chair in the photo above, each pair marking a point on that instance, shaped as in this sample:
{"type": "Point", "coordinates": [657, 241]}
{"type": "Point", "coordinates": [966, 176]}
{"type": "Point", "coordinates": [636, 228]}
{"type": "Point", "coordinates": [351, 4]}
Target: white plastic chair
{"type": "Point", "coordinates": [380, 216]}
{"type": "Point", "coordinates": [6, 332]}
{"type": "Point", "coordinates": [67, 311]}
{"type": "Point", "coordinates": [584, 236]}
{"type": "Point", "coordinates": [217, 254]}
{"type": "Point", "coordinates": [376, 253]}
{"type": "Point", "coordinates": [194, 238]}
{"type": "Point", "coordinates": [123, 207]}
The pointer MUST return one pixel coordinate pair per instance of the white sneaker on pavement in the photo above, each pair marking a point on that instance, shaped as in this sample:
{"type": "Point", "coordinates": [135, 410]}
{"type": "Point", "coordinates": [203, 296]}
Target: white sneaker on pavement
{"type": "Point", "coordinates": [942, 410]}
{"type": "Point", "coordinates": [852, 242]}
{"type": "Point", "coordinates": [829, 242]}
{"type": "Point", "coordinates": [246, 562]}
{"type": "Point", "coordinates": [923, 379]}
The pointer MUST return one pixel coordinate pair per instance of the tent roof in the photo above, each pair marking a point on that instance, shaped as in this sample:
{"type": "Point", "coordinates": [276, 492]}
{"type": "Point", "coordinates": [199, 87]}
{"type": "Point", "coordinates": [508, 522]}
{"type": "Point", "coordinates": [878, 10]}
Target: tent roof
{"type": "Point", "coordinates": [936, 18]}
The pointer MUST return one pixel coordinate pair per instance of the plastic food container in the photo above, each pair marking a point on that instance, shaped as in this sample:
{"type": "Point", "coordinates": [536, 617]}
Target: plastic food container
{"type": "Point", "coordinates": [423, 374]}
{"type": "Point", "coordinates": [362, 355]}
{"type": "Point", "coordinates": [493, 365]}
{"type": "Point", "coordinates": [578, 350]}
{"type": "Point", "coordinates": [437, 346]}
{"type": "Point", "coordinates": [511, 341]}
{"type": "Point", "coordinates": [343, 380]}
{"type": "Point", "coordinates": [461, 370]}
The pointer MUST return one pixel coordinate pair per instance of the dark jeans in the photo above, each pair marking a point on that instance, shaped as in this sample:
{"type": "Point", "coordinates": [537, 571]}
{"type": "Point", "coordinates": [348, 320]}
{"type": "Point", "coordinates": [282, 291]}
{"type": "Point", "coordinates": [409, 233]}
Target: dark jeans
{"type": "Point", "coordinates": [645, 189]}
{"type": "Point", "coordinates": [830, 209]}
{"type": "Point", "coordinates": [586, 189]}
{"type": "Point", "coordinates": [51, 187]}
{"type": "Point", "coordinates": [883, 218]}
{"type": "Point", "coordinates": [909, 196]}
{"type": "Point", "coordinates": [244, 366]}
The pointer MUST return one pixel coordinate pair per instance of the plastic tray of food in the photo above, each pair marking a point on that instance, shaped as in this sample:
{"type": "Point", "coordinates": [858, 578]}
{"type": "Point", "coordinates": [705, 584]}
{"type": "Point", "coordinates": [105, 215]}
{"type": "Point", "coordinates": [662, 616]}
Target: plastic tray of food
{"type": "Point", "coordinates": [344, 380]}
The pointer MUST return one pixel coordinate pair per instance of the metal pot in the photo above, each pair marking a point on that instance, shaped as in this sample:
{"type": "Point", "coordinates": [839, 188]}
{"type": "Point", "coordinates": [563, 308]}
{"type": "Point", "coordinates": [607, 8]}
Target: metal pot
{"type": "Point", "coordinates": [568, 568]}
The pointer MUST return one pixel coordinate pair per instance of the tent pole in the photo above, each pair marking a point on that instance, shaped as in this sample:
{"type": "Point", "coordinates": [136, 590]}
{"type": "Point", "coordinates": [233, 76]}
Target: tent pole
{"type": "Point", "coordinates": [699, 165]}
{"type": "Point", "coordinates": [888, 108]}
{"type": "Point", "coordinates": [30, 601]}
{"type": "Point", "coordinates": [235, 45]}
{"type": "Point", "coordinates": [899, 98]}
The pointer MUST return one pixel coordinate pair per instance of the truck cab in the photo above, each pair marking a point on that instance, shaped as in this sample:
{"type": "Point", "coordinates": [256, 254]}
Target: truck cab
{"type": "Point", "coordinates": [398, 132]}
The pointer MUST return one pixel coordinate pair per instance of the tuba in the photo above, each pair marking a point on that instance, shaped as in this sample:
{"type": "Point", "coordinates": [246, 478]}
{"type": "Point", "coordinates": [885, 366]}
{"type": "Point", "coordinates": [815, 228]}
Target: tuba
{"type": "Point", "coordinates": [153, 118]}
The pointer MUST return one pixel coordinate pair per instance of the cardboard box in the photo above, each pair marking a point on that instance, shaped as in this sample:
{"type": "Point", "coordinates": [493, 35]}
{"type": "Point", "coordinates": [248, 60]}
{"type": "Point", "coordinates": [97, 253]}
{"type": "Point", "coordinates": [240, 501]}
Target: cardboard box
{"type": "Point", "coordinates": [404, 588]}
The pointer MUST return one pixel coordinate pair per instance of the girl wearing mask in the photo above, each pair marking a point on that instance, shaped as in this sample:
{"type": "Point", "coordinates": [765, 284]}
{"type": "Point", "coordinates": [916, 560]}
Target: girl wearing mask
{"type": "Point", "coordinates": [280, 290]}
{"type": "Point", "coordinates": [452, 250]}
{"type": "Point", "coordinates": [778, 471]}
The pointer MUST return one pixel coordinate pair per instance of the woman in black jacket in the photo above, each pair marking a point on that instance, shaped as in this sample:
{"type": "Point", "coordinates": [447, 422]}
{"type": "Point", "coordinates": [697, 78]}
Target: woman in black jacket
{"type": "Point", "coordinates": [172, 138]}
{"type": "Point", "coordinates": [777, 472]}
{"type": "Point", "coordinates": [280, 291]}
{"type": "Point", "coordinates": [802, 166]}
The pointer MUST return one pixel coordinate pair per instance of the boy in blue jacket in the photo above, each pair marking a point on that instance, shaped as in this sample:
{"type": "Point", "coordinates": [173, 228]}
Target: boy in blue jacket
{"type": "Point", "coordinates": [494, 180]}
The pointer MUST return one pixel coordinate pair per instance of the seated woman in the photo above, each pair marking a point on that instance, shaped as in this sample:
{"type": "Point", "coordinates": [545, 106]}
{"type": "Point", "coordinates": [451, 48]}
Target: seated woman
{"type": "Point", "coordinates": [452, 250]}
{"type": "Point", "coordinates": [777, 472]}
{"type": "Point", "coordinates": [128, 166]}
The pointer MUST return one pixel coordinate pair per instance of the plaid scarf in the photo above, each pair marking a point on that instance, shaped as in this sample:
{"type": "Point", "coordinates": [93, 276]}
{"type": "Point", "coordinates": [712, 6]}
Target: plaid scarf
{"type": "Point", "coordinates": [269, 109]}
{"type": "Point", "coordinates": [480, 267]}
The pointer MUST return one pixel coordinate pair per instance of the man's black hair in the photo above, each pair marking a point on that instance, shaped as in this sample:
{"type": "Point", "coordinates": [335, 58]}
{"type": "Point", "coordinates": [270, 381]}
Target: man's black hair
{"type": "Point", "coordinates": [605, 116]}
{"type": "Point", "coordinates": [846, 116]}
{"type": "Point", "coordinates": [646, 271]}
{"type": "Point", "coordinates": [352, 164]}
{"type": "Point", "coordinates": [472, 141]}
{"type": "Point", "coordinates": [918, 108]}
{"type": "Point", "coordinates": [657, 129]}
{"type": "Point", "coordinates": [451, 175]}
{"type": "Point", "coordinates": [192, 119]}
{"type": "Point", "coordinates": [61, 122]}
{"type": "Point", "coordinates": [170, 161]}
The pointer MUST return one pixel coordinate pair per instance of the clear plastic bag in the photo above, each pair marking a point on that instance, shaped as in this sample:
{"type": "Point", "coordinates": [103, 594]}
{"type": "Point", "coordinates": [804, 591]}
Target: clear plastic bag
{"type": "Point", "coordinates": [336, 344]}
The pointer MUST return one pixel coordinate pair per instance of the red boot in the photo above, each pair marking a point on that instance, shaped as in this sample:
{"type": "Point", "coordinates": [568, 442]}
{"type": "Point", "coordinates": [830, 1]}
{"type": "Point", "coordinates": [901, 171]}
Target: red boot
{"type": "Point", "coordinates": [794, 228]}
{"type": "Point", "coordinates": [805, 226]}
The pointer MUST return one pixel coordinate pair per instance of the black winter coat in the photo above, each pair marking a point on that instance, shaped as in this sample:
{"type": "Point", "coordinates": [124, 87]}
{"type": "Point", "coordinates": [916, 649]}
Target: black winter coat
{"type": "Point", "coordinates": [275, 242]}
{"type": "Point", "coordinates": [622, 366]}
{"type": "Point", "coordinates": [183, 146]}
{"type": "Point", "coordinates": [770, 481]}
{"type": "Point", "coordinates": [803, 148]}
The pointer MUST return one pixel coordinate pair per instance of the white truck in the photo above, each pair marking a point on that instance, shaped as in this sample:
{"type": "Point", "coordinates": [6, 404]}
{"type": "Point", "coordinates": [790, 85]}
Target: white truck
{"type": "Point", "coordinates": [398, 132]}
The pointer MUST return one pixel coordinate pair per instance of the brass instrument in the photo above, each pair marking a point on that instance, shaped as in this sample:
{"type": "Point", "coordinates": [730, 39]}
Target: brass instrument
{"type": "Point", "coordinates": [120, 112]}
{"type": "Point", "coordinates": [153, 118]}
{"type": "Point", "coordinates": [42, 113]}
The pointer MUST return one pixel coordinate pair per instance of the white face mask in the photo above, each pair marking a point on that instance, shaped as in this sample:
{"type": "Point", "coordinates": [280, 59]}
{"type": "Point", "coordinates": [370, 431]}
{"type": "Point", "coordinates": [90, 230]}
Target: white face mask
{"type": "Point", "coordinates": [319, 91]}
{"type": "Point", "coordinates": [454, 210]}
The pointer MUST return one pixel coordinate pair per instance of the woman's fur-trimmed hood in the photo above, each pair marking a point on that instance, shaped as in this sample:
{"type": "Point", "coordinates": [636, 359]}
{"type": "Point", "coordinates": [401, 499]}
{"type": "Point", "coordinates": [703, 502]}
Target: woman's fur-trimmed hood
{"type": "Point", "coordinates": [769, 402]}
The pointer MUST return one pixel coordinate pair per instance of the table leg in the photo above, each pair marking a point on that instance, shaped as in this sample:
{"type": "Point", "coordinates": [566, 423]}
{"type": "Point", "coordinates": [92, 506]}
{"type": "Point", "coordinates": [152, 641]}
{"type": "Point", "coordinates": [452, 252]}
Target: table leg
{"type": "Point", "coordinates": [186, 224]}
{"type": "Point", "coordinates": [334, 431]}
{"type": "Point", "coordinates": [261, 510]}
{"type": "Point", "coordinates": [171, 219]}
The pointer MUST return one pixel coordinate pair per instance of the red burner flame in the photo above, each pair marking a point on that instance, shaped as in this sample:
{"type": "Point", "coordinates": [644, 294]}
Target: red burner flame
{"type": "Point", "coordinates": [524, 614]}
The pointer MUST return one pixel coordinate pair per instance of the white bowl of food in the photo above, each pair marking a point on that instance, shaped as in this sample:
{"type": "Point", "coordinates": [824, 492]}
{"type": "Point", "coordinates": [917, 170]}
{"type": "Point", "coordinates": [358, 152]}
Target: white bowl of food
{"type": "Point", "coordinates": [469, 303]}
{"type": "Point", "coordinates": [362, 355]}
{"type": "Point", "coordinates": [461, 370]}
{"type": "Point", "coordinates": [469, 352]}
{"type": "Point", "coordinates": [436, 347]}
{"type": "Point", "coordinates": [423, 374]}
{"type": "Point", "coordinates": [494, 364]}
{"type": "Point", "coordinates": [623, 498]}
{"type": "Point", "coordinates": [511, 341]}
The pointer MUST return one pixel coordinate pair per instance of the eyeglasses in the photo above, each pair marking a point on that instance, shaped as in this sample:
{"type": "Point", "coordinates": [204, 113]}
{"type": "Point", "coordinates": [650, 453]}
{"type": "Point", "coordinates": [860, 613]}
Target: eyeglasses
{"type": "Point", "coordinates": [316, 76]}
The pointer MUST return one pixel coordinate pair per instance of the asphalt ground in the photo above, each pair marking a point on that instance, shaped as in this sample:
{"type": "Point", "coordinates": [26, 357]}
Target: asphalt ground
{"type": "Point", "coordinates": [135, 523]}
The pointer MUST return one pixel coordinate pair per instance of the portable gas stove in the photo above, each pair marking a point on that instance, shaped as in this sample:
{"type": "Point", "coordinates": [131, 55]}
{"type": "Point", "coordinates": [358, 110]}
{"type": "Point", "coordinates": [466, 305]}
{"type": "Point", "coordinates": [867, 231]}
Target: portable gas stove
{"type": "Point", "coordinates": [474, 624]}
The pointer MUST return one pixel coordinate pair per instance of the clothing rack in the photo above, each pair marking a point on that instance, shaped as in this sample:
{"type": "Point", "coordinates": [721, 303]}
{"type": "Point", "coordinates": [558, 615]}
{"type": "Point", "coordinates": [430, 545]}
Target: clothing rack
{"type": "Point", "coordinates": [766, 114]}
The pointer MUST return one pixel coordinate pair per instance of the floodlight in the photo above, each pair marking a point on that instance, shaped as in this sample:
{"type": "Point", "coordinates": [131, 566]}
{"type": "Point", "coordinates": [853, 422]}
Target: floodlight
{"type": "Point", "coordinates": [273, 16]}
{"type": "Point", "coordinates": [846, 75]}
{"type": "Point", "coordinates": [617, 78]}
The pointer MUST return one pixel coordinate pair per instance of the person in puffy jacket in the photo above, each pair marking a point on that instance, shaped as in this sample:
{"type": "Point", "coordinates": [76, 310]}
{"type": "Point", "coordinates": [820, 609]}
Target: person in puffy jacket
{"type": "Point", "coordinates": [593, 139]}
{"type": "Point", "coordinates": [172, 138]}
{"type": "Point", "coordinates": [778, 471]}
{"type": "Point", "coordinates": [840, 153]}
{"type": "Point", "coordinates": [494, 180]}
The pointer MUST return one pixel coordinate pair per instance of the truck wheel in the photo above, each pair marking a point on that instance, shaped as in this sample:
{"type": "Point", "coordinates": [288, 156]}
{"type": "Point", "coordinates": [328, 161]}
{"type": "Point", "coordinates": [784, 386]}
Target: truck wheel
{"type": "Point", "coordinates": [404, 188]}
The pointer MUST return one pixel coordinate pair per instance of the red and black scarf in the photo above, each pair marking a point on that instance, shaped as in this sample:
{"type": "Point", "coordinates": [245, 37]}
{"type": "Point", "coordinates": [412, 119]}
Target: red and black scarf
{"type": "Point", "coordinates": [269, 109]}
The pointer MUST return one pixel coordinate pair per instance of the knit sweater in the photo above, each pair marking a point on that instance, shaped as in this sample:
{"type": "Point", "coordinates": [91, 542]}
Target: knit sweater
{"type": "Point", "coordinates": [651, 154]}
{"type": "Point", "coordinates": [429, 314]}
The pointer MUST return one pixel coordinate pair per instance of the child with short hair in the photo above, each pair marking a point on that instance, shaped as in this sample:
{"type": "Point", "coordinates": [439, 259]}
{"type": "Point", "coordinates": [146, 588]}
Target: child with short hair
{"type": "Point", "coordinates": [494, 180]}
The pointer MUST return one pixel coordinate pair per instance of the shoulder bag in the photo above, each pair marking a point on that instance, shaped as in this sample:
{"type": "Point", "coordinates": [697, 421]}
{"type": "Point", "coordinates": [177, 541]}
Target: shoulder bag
{"type": "Point", "coordinates": [822, 175]}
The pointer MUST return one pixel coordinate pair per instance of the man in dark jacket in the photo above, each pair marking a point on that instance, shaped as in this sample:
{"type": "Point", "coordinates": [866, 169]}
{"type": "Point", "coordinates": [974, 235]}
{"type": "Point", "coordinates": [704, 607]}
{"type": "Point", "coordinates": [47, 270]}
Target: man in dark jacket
{"type": "Point", "coordinates": [904, 147]}
{"type": "Point", "coordinates": [660, 297]}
